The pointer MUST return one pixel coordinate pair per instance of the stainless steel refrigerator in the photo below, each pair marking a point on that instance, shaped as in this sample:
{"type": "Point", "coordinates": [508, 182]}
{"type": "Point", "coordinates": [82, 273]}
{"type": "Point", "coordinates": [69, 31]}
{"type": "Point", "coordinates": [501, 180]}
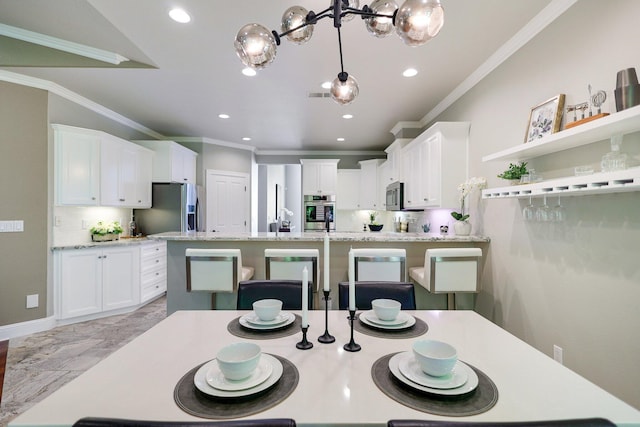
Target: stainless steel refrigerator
{"type": "Point", "coordinates": [174, 208]}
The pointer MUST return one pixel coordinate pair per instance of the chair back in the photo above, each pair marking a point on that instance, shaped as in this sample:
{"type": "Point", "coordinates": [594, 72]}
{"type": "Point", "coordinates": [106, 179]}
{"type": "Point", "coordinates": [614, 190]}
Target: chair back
{"type": "Point", "coordinates": [213, 270]}
{"type": "Point", "coordinates": [4, 349]}
{"type": "Point", "coordinates": [287, 291]}
{"type": "Point", "coordinates": [579, 422]}
{"type": "Point", "coordinates": [119, 422]}
{"type": "Point", "coordinates": [368, 291]}
{"type": "Point", "coordinates": [288, 264]}
{"type": "Point", "coordinates": [380, 264]}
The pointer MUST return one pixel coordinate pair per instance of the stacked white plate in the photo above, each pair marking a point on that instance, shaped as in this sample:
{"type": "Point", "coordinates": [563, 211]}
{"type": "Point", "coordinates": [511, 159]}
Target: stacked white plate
{"type": "Point", "coordinates": [252, 321]}
{"type": "Point", "coordinates": [210, 380]}
{"type": "Point", "coordinates": [461, 380]}
{"type": "Point", "coordinates": [403, 321]}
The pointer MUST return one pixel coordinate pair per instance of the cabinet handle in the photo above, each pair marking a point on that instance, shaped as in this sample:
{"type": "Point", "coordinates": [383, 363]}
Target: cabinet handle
{"type": "Point", "coordinates": [185, 179]}
{"type": "Point", "coordinates": [93, 198]}
{"type": "Point", "coordinates": [157, 249]}
{"type": "Point", "coordinates": [157, 261]}
{"type": "Point", "coordinates": [122, 200]}
{"type": "Point", "coordinates": [157, 274]}
{"type": "Point", "coordinates": [104, 256]}
{"type": "Point", "coordinates": [157, 286]}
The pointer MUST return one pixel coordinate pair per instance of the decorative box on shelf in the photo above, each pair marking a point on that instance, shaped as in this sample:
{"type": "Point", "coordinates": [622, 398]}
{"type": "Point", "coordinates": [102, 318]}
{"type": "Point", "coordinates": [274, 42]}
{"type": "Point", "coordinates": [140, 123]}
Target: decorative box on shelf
{"type": "Point", "coordinates": [105, 237]}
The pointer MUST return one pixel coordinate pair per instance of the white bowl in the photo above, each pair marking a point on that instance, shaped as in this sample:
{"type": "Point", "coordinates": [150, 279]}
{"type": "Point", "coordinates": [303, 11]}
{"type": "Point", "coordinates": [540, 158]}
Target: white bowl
{"type": "Point", "coordinates": [436, 358]}
{"type": "Point", "coordinates": [238, 361]}
{"type": "Point", "coordinates": [386, 309]}
{"type": "Point", "coordinates": [267, 309]}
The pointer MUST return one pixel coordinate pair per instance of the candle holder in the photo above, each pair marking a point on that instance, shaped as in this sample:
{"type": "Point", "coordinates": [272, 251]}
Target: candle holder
{"type": "Point", "coordinates": [351, 345]}
{"type": "Point", "coordinates": [304, 344]}
{"type": "Point", "coordinates": [326, 338]}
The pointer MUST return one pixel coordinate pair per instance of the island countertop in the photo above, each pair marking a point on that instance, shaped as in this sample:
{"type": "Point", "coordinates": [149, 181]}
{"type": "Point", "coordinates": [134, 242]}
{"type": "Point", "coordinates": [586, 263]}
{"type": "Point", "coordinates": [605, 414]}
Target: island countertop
{"type": "Point", "coordinates": [319, 236]}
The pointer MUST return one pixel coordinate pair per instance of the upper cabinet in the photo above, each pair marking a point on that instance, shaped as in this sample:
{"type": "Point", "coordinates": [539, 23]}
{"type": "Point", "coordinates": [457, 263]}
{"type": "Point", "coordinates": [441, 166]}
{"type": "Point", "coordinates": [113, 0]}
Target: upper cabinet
{"type": "Point", "coordinates": [172, 162]}
{"type": "Point", "coordinates": [428, 183]}
{"type": "Point", "coordinates": [347, 196]}
{"type": "Point", "coordinates": [394, 163]}
{"type": "Point", "coordinates": [93, 168]}
{"type": "Point", "coordinates": [319, 176]}
{"type": "Point", "coordinates": [369, 194]}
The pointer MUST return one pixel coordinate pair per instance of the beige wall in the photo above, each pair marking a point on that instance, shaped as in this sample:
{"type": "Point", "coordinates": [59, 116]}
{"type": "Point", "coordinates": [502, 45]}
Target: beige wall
{"type": "Point", "coordinates": [23, 195]}
{"type": "Point", "coordinates": [576, 285]}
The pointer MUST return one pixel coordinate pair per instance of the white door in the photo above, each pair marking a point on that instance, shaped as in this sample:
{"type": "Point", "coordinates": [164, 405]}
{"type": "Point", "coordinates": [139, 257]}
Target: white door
{"type": "Point", "coordinates": [227, 201]}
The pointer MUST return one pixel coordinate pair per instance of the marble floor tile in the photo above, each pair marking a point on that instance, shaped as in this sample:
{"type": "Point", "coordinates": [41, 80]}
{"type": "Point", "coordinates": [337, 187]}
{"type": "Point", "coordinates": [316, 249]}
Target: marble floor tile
{"type": "Point", "coordinates": [39, 364]}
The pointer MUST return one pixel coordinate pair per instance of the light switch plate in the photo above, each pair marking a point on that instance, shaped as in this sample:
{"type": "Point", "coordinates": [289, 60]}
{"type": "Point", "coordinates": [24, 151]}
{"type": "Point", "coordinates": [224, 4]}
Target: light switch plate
{"type": "Point", "coordinates": [18, 225]}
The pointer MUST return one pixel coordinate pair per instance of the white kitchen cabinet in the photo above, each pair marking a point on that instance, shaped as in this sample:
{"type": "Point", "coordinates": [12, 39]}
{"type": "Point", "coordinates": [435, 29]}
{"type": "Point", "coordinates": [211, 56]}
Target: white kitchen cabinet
{"type": "Point", "coordinates": [394, 159]}
{"type": "Point", "coordinates": [369, 194]}
{"type": "Point", "coordinates": [435, 163]}
{"type": "Point", "coordinates": [153, 270]}
{"type": "Point", "coordinates": [95, 280]}
{"type": "Point", "coordinates": [172, 162]}
{"type": "Point", "coordinates": [347, 196]}
{"type": "Point", "coordinates": [319, 176]}
{"type": "Point", "coordinates": [384, 179]}
{"type": "Point", "coordinates": [76, 166]}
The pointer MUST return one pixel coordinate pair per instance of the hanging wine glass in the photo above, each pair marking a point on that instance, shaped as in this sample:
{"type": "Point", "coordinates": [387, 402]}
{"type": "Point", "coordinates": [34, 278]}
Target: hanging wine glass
{"type": "Point", "coordinates": [544, 212]}
{"type": "Point", "coordinates": [559, 212]}
{"type": "Point", "coordinates": [529, 211]}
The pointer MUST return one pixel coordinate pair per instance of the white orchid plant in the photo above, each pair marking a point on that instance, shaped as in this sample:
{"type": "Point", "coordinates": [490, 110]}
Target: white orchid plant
{"type": "Point", "coordinates": [475, 183]}
{"type": "Point", "coordinates": [101, 228]}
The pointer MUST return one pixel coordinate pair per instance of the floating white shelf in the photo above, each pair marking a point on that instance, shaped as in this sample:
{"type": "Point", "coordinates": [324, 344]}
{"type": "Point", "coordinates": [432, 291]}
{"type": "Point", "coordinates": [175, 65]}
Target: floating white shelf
{"type": "Point", "coordinates": [597, 183]}
{"type": "Point", "coordinates": [621, 123]}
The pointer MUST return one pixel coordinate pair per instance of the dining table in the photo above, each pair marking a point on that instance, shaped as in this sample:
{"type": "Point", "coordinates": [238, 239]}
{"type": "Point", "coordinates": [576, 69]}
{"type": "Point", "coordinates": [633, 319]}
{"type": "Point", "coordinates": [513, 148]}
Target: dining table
{"type": "Point", "coordinates": [154, 376]}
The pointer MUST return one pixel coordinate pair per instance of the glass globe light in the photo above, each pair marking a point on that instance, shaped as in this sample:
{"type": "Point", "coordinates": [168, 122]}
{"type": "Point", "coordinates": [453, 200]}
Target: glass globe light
{"type": "Point", "coordinates": [418, 21]}
{"type": "Point", "coordinates": [255, 46]}
{"type": "Point", "coordinates": [293, 18]}
{"type": "Point", "coordinates": [344, 89]}
{"type": "Point", "coordinates": [380, 26]}
{"type": "Point", "coordinates": [355, 4]}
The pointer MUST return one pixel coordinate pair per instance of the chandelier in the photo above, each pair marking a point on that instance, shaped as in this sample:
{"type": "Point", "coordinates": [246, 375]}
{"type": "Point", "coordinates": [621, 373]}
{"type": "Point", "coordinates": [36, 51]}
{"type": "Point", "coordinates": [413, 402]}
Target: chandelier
{"type": "Point", "coordinates": [416, 22]}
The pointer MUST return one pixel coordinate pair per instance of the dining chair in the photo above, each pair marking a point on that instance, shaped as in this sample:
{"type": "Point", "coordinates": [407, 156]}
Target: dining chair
{"type": "Point", "coordinates": [578, 422]}
{"type": "Point", "coordinates": [287, 291]}
{"type": "Point", "coordinates": [288, 264]}
{"type": "Point", "coordinates": [368, 291]}
{"type": "Point", "coordinates": [380, 264]}
{"type": "Point", "coordinates": [4, 349]}
{"type": "Point", "coordinates": [119, 422]}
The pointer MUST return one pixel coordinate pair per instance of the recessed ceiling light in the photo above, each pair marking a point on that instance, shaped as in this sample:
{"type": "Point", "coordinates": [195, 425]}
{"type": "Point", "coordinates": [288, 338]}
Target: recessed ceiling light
{"type": "Point", "coordinates": [326, 85]}
{"type": "Point", "coordinates": [340, 139]}
{"type": "Point", "coordinates": [179, 15]}
{"type": "Point", "coordinates": [246, 138]}
{"type": "Point", "coordinates": [410, 72]}
{"type": "Point", "coordinates": [249, 72]}
{"type": "Point", "coordinates": [347, 116]}
{"type": "Point", "coordinates": [223, 116]}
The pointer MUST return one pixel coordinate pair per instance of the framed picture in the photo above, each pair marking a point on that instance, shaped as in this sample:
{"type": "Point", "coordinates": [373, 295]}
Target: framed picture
{"type": "Point", "coordinates": [545, 118]}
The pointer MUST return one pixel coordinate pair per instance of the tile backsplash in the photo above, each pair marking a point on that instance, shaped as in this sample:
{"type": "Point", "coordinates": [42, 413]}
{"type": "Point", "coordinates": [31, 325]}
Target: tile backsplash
{"type": "Point", "coordinates": [71, 224]}
{"type": "Point", "coordinates": [356, 220]}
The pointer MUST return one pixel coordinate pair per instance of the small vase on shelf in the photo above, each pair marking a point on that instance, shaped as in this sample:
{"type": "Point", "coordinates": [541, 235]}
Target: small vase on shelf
{"type": "Point", "coordinates": [462, 228]}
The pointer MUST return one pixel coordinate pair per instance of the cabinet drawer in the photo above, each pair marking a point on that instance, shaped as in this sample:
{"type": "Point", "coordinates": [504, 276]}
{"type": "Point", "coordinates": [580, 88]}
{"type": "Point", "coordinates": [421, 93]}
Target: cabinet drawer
{"type": "Point", "coordinates": [153, 275]}
{"type": "Point", "coordinates": [152, 250]}
{"type": "Point", "coordinates": [152, 289]}
{"type": "Point", "coordinates": [152, 263]}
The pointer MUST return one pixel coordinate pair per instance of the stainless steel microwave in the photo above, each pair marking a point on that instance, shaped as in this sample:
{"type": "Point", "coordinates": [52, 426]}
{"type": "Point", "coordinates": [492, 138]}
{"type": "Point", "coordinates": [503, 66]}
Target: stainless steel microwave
{"type": "Point", "coordinates": [395, 196]}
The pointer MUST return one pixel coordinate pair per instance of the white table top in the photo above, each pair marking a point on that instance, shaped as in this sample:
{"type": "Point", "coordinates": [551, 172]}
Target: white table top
{"type": "Point", "coordinates": [335, 386]}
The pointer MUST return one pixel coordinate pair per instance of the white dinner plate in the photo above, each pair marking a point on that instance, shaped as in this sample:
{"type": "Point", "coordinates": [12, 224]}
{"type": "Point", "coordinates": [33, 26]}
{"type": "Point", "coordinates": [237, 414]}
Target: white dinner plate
{"type": "Point", "coordinates": [215, 378]}
{"type": "Point", "coordinates": [470, 385]}
{"type": "Point", "coordinates": [255, 320]}
{"type": "Point", "coordinates": [200, 379]}
{"type": "Point", "coordinates": [290, 318]}
{"type": "Point", "coordinates": [364, 318]}
{"type": "Point", "coordinates": [410, 368]}
{"type": "Point", "coordinates": [401, 319]}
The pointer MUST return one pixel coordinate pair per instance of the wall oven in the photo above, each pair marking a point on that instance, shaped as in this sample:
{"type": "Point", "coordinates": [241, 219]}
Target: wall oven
{"type": "Point", "coordinates": [318, 212]}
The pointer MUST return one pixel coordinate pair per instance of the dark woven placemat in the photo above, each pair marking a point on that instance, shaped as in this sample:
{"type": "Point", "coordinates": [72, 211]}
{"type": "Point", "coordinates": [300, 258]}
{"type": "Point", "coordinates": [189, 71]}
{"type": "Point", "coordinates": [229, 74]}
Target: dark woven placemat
{"type": "Point", "coordinates": [194, 402]}
{"type": "Point", "coordinates": [480, 400]}
{"type": "Point", "coordinates": [235, 328]}
{"type": "Point", "coordinates": [420, 328]}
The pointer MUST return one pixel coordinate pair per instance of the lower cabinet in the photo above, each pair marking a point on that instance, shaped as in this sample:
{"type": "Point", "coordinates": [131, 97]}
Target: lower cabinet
{"type": "Point", "coordinates": [98, 280]}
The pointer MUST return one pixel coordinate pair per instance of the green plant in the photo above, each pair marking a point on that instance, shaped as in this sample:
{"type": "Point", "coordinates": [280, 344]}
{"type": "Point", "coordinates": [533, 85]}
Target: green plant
{"type": "Point", "coordinates": [101, 228]}
{"type": "Point", "coordinates": [475, 183]}
{"type": "Point", "coordinates": [372, 217]}
{"type": "Point", "coordinates": [514, 171]}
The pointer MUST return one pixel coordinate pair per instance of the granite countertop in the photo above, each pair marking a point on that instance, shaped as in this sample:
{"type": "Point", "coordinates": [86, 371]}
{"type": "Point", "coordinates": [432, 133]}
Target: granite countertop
{"type": "Point", "coordinates": [319, 236]}
{"type": "Point", "coordinates": [123, 241]}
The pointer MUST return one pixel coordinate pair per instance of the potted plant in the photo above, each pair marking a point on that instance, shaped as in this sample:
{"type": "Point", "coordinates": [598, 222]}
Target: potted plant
{"type": "Point", "coordinates": [462, 226]}
{"type": "Point", "coordinates": [102, 232]}
{"type": "Point", "coordinates": [514, 172]}
{"type": "Point", "coordinates": [373, 224]}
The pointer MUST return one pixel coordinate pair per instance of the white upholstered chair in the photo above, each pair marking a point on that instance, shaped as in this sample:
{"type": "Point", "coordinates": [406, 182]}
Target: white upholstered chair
{"type": "Point", "coordinates": [288, 264]}
{"type": "Point", "coordinates": [215, 270]}
{"type": "Point", "coordinates": [380, 265]}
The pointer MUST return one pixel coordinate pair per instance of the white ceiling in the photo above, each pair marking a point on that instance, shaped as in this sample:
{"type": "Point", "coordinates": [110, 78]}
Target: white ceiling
{"type": "Point", "coordinates": [196, 73]}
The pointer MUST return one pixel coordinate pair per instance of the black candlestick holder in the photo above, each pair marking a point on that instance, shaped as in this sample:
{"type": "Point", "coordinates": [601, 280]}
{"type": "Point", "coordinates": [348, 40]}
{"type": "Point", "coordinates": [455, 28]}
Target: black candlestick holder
{"type": "Point", "coordinates": [326, 338]}
{"type": "Point", "coordinates": [304, 344]}
{"type": "Point", "coordinates": [351, 345]}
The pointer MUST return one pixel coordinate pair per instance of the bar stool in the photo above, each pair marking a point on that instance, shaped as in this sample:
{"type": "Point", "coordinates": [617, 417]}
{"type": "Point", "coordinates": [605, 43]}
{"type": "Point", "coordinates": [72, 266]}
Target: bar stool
{"type": "Point", "coordinates": [288, 264]}
{"type": "Point", "coordinates": [380, 265]}
{"type": "Point", "coordinates": [450, 271]}
{"type": "Point", "coordinates": [215, 270]}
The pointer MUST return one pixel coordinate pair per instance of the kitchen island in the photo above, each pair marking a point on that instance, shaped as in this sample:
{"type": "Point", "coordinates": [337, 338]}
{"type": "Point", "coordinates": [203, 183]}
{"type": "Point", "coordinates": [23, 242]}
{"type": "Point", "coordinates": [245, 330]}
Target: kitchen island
{"type": "Point", "coordinates": [253, 245]}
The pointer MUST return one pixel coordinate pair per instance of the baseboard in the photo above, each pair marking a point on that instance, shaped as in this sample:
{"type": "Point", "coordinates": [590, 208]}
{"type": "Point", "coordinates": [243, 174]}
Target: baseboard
{"type": "Point", "coordinates": [25, 328]}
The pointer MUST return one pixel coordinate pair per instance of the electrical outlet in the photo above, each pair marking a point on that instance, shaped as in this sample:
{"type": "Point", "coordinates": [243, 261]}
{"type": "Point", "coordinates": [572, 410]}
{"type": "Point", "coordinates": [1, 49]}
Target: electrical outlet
{"type": "Point", "coordinates": [557, 354]}
{"type": "Point", "coordinates": [57, 221]}
{"type": "Point", "coordinates": [85, 224]}
{"type": "Point", "coordinates": [32, 301]}
{"type": "Point", "coordinates": [18, 225]}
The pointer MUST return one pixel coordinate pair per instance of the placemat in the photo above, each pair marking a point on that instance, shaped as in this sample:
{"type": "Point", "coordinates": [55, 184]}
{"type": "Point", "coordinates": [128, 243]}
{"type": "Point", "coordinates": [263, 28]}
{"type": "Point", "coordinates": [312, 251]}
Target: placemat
{"type": "Point", "coordinates": [420, 328]}
{"type": "Point", "coordinates": [480, 400]}
{"type": "Point", "coordinates": [194, 402]}
{"type": "Point", "coordinates": [235, 328]}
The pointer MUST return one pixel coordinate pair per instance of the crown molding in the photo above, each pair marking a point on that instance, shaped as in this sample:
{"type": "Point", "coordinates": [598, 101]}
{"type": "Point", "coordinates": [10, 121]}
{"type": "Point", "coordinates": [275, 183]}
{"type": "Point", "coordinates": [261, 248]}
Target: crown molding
{"type": "Point", "coordinates": [63, 92]}
{"type": "Point", "coordinates": [317, 153]}
{"type": "Point", "coordinates": [545, 17]}
{"type": "Point", "coordinates": [60, 44]}
{"type": "Point", "coordinates": [404, 125]}
{"type": "Point", "coordinates": [212, 141]}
